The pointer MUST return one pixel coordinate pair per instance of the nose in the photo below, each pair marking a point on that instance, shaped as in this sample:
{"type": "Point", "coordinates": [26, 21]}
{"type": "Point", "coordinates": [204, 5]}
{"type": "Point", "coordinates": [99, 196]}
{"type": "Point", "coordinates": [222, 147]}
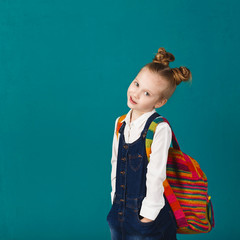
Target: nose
{"type": "Point", "coordinates": [136, 94]}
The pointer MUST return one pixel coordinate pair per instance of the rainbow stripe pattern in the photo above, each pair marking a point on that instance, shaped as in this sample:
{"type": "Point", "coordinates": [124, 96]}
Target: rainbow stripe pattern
{"type": "Point", "coordinates": [186, 185]}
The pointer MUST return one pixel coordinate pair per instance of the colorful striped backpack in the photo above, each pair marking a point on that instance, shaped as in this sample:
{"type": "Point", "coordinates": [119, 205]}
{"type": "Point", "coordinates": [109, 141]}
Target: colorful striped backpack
{"type": "Point", "coordinates": [185, 187]}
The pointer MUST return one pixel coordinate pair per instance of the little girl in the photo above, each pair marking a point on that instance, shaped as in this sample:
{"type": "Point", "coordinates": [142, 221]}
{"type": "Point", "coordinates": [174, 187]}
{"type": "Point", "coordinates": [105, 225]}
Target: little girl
{"type": "Point", "coordinates": [140, 209]}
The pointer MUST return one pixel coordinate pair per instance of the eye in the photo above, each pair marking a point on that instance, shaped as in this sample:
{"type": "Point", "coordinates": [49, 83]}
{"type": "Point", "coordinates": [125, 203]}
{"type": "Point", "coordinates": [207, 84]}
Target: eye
{"type": "Point", "coordinates": [136, 83]}
{"type": "Point", "coordinates": [147, 94]}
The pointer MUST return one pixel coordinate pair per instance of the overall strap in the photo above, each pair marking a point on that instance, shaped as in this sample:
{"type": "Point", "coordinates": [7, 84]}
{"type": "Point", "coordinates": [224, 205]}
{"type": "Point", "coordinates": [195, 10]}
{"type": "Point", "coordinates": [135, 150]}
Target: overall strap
{"type": "Point", "coordinates": [121, 123]}
{"type": "Point", "coordinates": [148, 123]}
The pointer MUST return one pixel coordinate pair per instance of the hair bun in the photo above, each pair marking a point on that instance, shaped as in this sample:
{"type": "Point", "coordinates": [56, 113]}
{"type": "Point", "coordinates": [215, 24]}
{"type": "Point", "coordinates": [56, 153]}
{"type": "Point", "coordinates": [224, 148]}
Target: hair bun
{"type": "Point", "coordinates": [181, 74]}
{"type": "Point", "coordinates": [163, 57]}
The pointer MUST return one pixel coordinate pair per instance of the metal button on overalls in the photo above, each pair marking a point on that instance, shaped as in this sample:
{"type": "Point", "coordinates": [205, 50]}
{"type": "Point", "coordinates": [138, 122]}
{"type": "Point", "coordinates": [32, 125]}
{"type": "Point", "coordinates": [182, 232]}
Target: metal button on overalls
{"type": "Point", "coordinates": [123, 218]}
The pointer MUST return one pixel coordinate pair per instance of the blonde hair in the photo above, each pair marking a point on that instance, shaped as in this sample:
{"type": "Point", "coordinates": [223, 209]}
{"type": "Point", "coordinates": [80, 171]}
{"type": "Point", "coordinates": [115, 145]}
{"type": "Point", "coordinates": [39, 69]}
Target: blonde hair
{"type": "Point", "coordinates": [174, 76]}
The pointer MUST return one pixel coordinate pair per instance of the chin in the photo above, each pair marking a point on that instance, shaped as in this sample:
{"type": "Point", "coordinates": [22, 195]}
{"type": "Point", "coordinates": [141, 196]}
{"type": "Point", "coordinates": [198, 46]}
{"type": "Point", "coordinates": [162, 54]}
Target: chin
{"type": "Point", "coordinates": [129, 105]}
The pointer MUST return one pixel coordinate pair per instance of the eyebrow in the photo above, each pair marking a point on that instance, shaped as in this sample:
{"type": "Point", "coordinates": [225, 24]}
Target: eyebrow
{"type": "Point", "coordinates": [145, 89]}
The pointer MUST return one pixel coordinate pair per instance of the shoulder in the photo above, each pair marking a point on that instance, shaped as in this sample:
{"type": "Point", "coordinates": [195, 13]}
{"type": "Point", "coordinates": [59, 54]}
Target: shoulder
{"type": "Point", "coordinates": [163, 128]}
{"type": "Point", "coordinates": [162, 136]}
{"type": "Point", "coordinates": [119, 119]}
{"type": "Point", "coordinates": [163, 125]}
{"type": "Point", "coordinates": [116, 120]}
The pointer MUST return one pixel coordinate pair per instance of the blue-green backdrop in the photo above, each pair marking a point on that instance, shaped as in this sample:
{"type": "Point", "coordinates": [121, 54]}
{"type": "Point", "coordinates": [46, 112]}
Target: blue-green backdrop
{"type": "Point", "coordinates": [65, 66]}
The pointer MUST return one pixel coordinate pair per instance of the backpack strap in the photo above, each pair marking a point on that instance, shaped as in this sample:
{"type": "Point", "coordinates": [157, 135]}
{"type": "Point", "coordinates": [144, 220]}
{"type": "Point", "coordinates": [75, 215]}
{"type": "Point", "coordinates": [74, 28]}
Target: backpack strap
{"type": "Point", "coordinates": [119, 123]}
{"type": "Point", "coordinates": [151, 131]}
{"type": "Point", "coordinates": [174, 142]}
{"type": "Point", "coordinates": [168, 191]}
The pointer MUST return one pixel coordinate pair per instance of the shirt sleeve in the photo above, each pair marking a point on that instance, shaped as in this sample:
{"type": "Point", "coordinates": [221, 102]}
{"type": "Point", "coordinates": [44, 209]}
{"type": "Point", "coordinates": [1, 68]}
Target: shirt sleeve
{"type": "Point", "coordinates": [156, 172]}
{"type": "Point", "coordinates": [114, 161]}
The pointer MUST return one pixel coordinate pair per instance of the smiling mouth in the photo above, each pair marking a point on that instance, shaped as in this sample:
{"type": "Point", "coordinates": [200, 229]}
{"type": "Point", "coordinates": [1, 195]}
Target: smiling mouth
{"type": "Point", "coordinates": [132, 101]}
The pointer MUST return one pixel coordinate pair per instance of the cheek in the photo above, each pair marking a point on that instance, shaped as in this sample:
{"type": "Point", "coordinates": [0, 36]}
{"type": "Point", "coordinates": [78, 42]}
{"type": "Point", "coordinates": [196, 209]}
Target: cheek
{"type": "Point", "coordinates": [129, 89]}
{"type": "Point", "coordinates": [146, 101]}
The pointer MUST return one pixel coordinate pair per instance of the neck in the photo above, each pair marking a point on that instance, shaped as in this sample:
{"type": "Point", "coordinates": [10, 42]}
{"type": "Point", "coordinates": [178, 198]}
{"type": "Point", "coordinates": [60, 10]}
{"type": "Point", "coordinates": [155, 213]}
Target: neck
{"type": "Point", "coordinates": [135, 114]}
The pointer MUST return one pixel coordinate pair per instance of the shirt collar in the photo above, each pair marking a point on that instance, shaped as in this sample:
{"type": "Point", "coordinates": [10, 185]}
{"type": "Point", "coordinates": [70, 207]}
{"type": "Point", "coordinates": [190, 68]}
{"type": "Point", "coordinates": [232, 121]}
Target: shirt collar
{"type": "Point", "coordinates": [140, 119]}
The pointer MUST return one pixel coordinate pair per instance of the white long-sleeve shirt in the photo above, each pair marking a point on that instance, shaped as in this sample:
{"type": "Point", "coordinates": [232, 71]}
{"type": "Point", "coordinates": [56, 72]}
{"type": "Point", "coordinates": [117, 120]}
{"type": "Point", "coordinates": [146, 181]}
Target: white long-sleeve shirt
{"type": "Point", "coordinates": [156, 169]}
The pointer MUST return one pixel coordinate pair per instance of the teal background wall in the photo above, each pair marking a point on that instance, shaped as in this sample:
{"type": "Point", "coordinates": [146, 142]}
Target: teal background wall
{"type": "Point", "coordinates": [65, 67]}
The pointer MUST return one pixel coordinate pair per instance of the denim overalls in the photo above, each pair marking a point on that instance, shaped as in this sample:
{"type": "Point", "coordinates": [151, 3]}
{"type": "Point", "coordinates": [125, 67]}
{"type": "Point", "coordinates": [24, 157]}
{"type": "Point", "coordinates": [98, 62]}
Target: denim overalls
{"type": "Point", "coordinates": [123, 217]}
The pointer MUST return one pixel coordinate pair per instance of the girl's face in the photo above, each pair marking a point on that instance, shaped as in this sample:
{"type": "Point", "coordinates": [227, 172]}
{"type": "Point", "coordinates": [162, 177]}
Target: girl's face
{"type": "Point", "coordinates": [143, 94]}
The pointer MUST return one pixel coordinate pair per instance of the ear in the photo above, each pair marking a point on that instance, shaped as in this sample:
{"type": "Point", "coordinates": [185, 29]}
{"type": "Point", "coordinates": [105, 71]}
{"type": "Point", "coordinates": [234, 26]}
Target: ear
{"type": "Point", "coordinates": [161, 103]}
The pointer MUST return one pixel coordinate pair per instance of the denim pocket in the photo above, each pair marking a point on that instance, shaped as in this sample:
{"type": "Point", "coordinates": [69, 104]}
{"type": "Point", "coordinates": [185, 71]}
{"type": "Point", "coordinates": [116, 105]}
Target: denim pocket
{"type": "Point", "coordinates": [137, 218]}
{"type": "Point", "coordinates": [135, 161]}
